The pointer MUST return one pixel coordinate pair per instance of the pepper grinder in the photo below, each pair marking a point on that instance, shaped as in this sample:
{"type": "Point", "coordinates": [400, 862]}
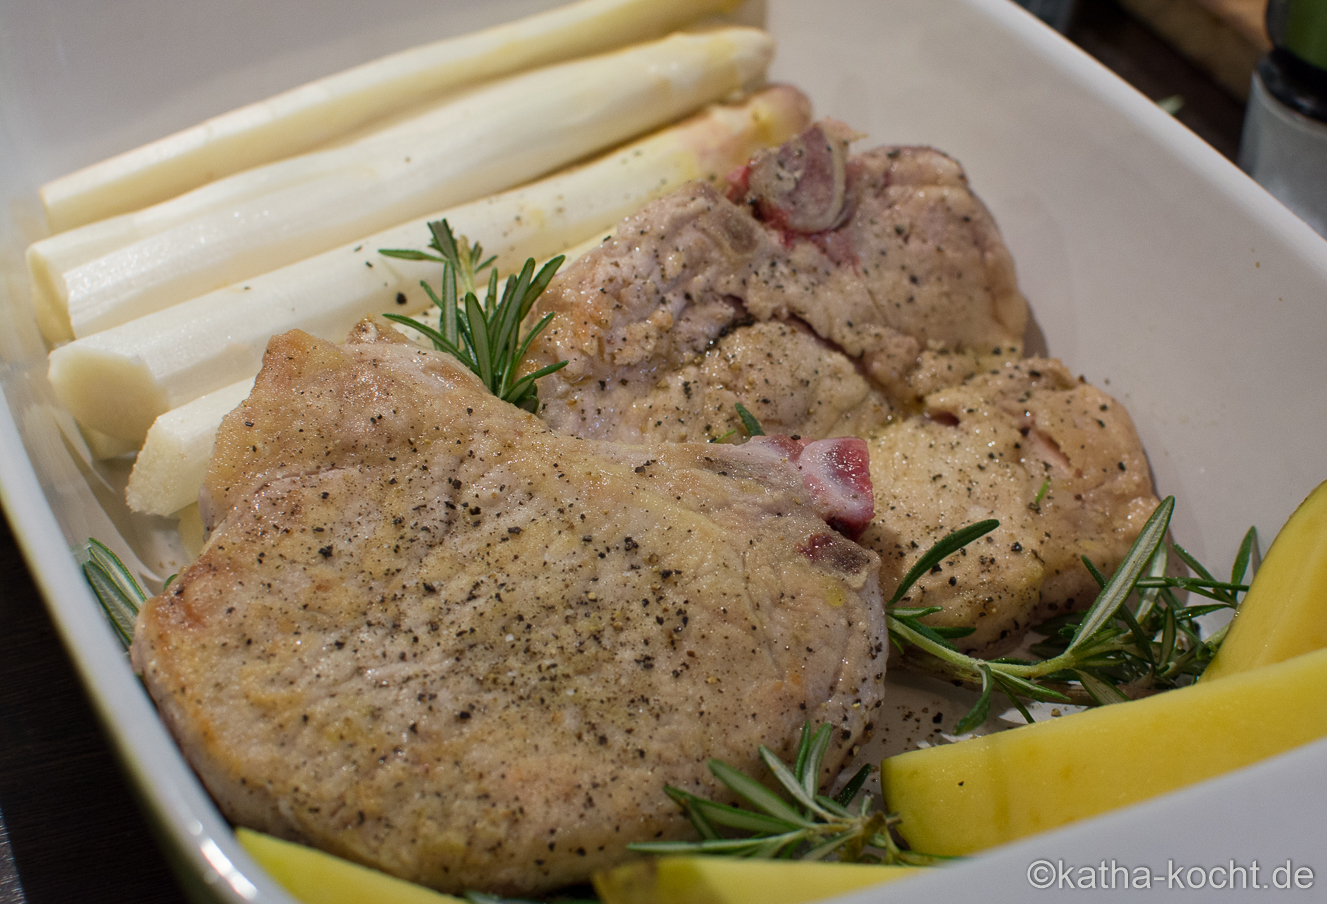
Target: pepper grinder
{"type": "Point", "coordinates": [1284, 143]}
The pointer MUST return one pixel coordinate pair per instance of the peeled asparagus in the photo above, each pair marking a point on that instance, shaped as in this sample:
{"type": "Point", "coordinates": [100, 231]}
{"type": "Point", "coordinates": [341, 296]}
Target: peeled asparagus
{"type": "Point", "coordinates": [170, 468]}
{"type": "Point", "coordinates": [118, 381]}
{"type": "Point", "coordinates": [492, 138]}
{"type": "Point", "coordinates": [299, 120]}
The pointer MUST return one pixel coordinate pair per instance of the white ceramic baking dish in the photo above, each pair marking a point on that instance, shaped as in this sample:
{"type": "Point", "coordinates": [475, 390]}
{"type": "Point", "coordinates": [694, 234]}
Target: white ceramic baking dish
{"type": "Point", "coordinates": [1154, 267]}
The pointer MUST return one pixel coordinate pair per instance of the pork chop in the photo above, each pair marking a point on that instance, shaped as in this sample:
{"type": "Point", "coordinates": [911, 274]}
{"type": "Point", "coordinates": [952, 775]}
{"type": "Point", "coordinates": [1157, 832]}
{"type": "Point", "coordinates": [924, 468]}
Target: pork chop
{"type": "Point", "coordinates": [871, 296]}
{"type": "Point", "coordinates": [984, 449]}
{"type": "Point", "coordinates": [433, 636]}
{"type": "Point", "coordinates": [916, 263]}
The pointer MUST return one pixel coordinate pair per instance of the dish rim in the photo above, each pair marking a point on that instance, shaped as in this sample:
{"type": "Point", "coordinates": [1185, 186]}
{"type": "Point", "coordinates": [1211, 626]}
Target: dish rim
{"type": "Point", "coordinates": [199, 840]}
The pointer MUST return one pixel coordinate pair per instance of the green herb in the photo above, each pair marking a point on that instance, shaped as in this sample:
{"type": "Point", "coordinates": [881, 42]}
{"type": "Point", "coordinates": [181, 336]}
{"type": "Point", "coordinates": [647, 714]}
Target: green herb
{"type": "Point", "coordinates": [749, 424]}
{"type": "Point", "coordinates": [484, 337]}
{"type": "Point", "coordinates": [797, 822]}
{"type": "Point", "coordinates": [117, 591]}
{"type": "Point", "coordinates": [1105, 654]}
{"type": "Point", "coordinates": [1035, 504]}
{"type": "Point", "coordinates": [749, 421]}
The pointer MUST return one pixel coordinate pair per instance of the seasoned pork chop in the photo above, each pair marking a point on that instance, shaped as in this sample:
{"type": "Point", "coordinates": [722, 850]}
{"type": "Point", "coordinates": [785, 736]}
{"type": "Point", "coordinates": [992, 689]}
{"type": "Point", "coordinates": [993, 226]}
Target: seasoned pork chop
{"type": "Point", "coordinates": [431, 635]}
{"type": "Point", "coordinates": [983, 449]}
{"type": "Point", "coordinates": [867, 296]}
{"type": "Point", "coordinates": [649, 316]}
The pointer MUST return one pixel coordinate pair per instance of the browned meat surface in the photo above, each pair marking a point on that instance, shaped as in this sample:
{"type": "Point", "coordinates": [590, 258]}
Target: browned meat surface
{"type": "Point", "coordinates": [648, 317]}
{"type": "Point", "coordinates": [983, 449]}
{"type": "Point", "coordinates": [431, 635]}
{"type": "Point", "coordinates": [866, 295]}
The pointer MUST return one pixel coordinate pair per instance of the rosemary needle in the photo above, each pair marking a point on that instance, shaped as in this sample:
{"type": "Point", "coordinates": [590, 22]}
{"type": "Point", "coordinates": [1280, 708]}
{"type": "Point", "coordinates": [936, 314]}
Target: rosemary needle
{"type": "Point", "coordinates": [117, 591]}
{"type": "Point", "coordinates": [749, 422]}
{"type": "Point", "coordinates": [794, 821]}
{"type": "Point", "coordinates": [1106, 654]}
{"type": "Point", "coordinates": [485, 337]}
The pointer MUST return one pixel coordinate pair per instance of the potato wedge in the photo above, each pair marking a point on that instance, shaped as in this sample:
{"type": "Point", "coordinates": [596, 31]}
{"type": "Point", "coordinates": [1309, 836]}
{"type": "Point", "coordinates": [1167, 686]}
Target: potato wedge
{"type": "Point", "coordinates": [315, 877]}
{"type": "Point", "coordinates": [727, 880]}
{"type": "Point", "coordinates": [1284, 614]}
{"type": "Point", "coordinates": [965, 797]}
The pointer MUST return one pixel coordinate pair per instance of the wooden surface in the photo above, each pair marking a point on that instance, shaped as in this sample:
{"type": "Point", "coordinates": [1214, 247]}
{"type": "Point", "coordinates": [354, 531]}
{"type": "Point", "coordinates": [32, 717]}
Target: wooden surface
{"type": "Point", "coordinates": [72, 832]}
{"type": "Point", "coordinates": [71, 829]}
{"type": "Point", "coordinates": [1136, 53]}
{"type": "Point", "coordinates": [1224, 38]}
{"type": "Point", "coordinates": [1246, 17]}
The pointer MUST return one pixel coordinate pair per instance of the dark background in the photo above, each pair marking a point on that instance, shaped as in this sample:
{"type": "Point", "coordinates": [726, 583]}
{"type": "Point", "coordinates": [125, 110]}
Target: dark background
{"type": "Point", "coordinates": [70, 829]}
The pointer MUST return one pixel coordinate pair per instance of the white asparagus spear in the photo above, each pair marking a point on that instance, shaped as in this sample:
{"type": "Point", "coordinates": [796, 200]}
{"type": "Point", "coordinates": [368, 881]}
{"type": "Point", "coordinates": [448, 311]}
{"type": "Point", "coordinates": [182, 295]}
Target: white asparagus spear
{"type": "Point", "coordinates": [301, 119]}
{"type": "Point", "coordinates": [173, 462]}
{"type": "Point", "coordinates": [491, 139]}
{"type": "Point", "coordinates": [118, 381]}
{"type": "Point", "coordinates": [170, 468]}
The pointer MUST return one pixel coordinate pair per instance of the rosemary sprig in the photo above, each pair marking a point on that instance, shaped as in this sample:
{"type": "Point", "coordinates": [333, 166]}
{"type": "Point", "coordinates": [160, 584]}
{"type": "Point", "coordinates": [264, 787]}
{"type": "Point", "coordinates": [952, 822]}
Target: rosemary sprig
{"type": "Point", "coordinates": [1105, 654]}
{"type": "Point", "coordinates": [117, 591]}
{"type": "Point", "coordinates": [798, 822]}
{"type": "Point", "coordinates": [484, 337]}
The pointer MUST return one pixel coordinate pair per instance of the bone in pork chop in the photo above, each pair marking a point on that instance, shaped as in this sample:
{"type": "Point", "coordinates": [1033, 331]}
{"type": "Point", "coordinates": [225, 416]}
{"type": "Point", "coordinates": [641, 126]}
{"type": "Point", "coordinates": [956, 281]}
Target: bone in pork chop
{"type": "Point", "coordinates": [654, 323]}
{"type": "Point", "coordinates": [837, 295]}
{"type": "Point", "coordinates": [431, 635]}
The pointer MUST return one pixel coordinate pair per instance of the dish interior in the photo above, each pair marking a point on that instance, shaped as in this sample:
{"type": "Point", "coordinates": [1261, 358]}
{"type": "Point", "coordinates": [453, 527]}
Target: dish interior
{"type": "Point", "coordinates": [1152, 266]}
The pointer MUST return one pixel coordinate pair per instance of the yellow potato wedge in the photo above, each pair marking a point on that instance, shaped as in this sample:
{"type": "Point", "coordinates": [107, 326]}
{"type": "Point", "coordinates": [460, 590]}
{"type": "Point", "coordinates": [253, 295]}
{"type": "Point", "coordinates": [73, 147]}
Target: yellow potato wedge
{"type": "Point", "coordinates": [965, 797]}
{"type": "Point", "coordinates": [318, 878]}
{"type": "Point", "coordinates": [1284, 614]}
{"type": "Point", "coordinates": [726, 880]}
